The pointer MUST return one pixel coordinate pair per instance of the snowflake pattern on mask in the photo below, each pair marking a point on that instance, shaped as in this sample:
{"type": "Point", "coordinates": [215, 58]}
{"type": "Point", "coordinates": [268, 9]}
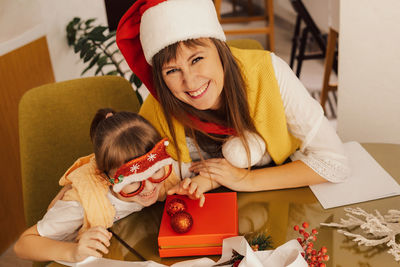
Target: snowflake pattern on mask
{"type": "Point", "coordinates": [151, 157]}
{"type": "Point", "coordinates": [134, 168]}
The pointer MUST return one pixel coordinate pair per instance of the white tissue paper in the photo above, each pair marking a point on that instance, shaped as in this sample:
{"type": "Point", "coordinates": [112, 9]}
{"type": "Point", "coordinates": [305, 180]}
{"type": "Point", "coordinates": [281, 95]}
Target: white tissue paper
{"type": "Point", "coordinates": [287, 255]}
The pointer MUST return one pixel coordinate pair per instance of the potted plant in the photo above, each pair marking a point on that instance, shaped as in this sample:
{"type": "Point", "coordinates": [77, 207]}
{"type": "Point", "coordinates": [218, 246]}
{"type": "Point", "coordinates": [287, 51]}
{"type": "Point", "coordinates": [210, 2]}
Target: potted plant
{"type": "Point", "coordinates": [96, 46]}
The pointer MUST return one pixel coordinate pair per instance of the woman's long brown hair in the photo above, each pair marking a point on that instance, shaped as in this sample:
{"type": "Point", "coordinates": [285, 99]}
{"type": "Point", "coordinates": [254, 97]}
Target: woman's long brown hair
{"type": "Point", "coordinates": [234, 108]}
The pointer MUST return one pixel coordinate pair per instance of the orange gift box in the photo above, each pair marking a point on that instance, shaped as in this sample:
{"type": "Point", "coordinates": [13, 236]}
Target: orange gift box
{"type": "Point", "coordinates": [212, 223]}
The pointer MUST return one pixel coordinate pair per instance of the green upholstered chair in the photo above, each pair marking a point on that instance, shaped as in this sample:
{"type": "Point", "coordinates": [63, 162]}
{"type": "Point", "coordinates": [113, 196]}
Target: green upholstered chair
{"type": "Point", "coordinates": [54, 122]}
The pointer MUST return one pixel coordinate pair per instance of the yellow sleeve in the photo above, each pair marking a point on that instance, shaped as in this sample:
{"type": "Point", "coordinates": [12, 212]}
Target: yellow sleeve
{"type": "Point", "coordinates": [151, 110]}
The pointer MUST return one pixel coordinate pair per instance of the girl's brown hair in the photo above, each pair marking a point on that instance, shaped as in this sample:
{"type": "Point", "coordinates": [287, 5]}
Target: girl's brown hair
{"type": "Point", "coordinates": [233, 111]}
{"type": "Point", "coordinates": [120, 137]}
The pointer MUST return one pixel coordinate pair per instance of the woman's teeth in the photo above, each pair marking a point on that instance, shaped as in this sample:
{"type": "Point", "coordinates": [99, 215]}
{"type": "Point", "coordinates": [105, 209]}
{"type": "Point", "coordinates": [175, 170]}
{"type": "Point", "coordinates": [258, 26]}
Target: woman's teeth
{"type": "Point", "coordinates": [198, 92]}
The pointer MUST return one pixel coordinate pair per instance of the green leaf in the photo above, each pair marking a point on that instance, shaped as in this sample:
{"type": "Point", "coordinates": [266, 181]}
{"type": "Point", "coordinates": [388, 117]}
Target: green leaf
{"type": "Point", "coordinates": [135, 80]}
{"type": "Point", "coordinates": [79, 45]}
{"type": "Point", "coordinates": [75, 20]}
{"type": "Point", "coordinates": [102, 60]}
{"type": "Point", "coordinates": [139, 97]}
{"type": "Point", "coordinates": [70, 27]}
{"type": "Point", "coordinates": [101, 63]}
{"type": "Point", "coordinates": [89, 21]}
{"type": "Point", "coordinates": [91, 64]}
{"type": "Point", "coordinates": [97, 34]}
{"type": "Point", "coordinates": [86, 47]}
{"type": "Point", "coordinates": [71, 36]}
{"type": "Point", "coordinates": [72, 30]}
{"type": "Point", "coordinates": [113, 72]}
{"type": "Point", "coordinates": [89, 55]}
{"type": "Point", "coordinates": [98, 70]}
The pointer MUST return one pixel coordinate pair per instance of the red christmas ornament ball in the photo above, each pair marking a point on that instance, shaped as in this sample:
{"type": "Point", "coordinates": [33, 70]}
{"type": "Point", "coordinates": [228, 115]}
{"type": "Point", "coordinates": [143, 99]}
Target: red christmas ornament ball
{"type": "Point", "coordinates": [175, 205]}
{"type": "Point", "coordinates": [181, 222]}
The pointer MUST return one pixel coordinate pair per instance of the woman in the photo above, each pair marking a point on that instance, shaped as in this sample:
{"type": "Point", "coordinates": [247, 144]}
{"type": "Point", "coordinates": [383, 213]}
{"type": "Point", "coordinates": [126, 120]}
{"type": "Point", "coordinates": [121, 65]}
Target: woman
{"type": "Point", "coordinates": [203, 93]}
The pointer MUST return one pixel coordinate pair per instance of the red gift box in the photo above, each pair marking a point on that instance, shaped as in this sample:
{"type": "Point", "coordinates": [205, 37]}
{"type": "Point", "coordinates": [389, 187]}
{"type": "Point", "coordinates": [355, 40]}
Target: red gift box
{"type": "Point", "coordinates": [215, 221]}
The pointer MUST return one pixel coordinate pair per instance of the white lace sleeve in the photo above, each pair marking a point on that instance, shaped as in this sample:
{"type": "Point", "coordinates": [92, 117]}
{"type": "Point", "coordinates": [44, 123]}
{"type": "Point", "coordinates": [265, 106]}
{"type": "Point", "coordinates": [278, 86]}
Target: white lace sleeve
{"type": "Point", "coordinates": [321, 148]}
{"type": "Point", "coordinates": [62, 221]}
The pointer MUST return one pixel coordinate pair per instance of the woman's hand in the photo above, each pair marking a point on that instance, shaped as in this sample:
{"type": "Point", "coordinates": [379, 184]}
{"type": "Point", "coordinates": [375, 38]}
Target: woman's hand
{"type": "Point", "coordinates": [191, 188]}
{"type": "Point", "coordinates": [91, 243]}
{"type": "Point", "coordinates": [221, 171]}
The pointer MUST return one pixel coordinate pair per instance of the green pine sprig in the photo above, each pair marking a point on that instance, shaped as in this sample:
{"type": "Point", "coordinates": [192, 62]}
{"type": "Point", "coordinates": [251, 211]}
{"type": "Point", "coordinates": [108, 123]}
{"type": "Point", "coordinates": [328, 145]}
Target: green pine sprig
{"type": "Point", "coordinates": [259, 241]}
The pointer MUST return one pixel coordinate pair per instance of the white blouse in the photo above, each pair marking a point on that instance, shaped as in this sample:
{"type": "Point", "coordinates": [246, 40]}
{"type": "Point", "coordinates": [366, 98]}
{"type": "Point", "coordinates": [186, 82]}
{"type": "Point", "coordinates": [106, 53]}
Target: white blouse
{"type": "Point", "coordinates": [64, 219]}
{"type": "Point", "coordinates": [321, 149]}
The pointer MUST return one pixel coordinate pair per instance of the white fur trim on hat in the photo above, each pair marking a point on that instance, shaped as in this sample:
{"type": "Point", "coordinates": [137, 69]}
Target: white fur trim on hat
{"type": "Point", "coordinates": [142, 175]}
{"type": "Point", "coordinates": [177, 20]}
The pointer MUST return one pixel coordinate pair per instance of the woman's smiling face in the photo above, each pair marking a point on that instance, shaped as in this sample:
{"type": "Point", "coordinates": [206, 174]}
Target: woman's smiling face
{"type": "Point", "coordinates": [196, 75]}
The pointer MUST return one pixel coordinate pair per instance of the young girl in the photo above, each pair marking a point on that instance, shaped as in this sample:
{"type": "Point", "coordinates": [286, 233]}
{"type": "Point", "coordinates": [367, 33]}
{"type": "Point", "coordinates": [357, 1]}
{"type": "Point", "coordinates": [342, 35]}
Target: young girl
{"type": "Point", "coordinates": [129, 170]}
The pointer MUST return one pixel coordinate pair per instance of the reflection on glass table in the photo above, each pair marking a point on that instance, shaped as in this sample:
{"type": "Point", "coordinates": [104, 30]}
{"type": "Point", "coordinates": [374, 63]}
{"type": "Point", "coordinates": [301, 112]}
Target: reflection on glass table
{"type": "Point", "coordinates": [274, 213]}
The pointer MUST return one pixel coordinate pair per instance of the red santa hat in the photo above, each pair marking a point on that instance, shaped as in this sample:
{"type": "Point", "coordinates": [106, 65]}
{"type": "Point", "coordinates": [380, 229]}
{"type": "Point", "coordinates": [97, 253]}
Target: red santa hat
{"type": "Point", "coordinates": [151, 25]}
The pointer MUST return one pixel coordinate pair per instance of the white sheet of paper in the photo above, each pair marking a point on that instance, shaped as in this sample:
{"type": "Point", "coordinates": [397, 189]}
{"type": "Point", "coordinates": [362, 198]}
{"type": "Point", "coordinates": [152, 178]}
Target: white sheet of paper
{"type": "Point", "coordinates": [368, 181]}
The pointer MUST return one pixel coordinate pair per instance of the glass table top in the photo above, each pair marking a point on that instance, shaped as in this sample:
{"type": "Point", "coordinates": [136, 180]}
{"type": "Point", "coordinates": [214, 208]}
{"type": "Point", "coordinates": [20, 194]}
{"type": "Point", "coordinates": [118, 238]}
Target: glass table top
{"type": "Point", "coordinates": [274, 213]}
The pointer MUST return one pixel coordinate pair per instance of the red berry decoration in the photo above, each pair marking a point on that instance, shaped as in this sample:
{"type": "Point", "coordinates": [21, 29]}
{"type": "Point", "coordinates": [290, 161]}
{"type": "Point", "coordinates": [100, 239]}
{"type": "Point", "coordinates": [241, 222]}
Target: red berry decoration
{"type": "Point", "coordinates": [175, 205]}
{"type": "Point", "coordinates": [312, 257]}
{"type": "Point", "coordinates": [314, 231]}
{"type": "Point", "coordinates": [181, 222]}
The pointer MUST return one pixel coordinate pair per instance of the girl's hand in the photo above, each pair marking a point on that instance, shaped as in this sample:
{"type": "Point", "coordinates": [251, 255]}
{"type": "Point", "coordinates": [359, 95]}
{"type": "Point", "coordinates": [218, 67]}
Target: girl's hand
{"type": "Point", "coordinates": [221, 171]}
{"type": "Point", "coordinates": [92, 242]}
{"type": "Point", "coordinates": [190, 188]}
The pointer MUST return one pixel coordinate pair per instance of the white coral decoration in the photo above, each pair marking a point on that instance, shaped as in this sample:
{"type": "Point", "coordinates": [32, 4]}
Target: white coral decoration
{"type": "Point", "coordinates": [381, 229]}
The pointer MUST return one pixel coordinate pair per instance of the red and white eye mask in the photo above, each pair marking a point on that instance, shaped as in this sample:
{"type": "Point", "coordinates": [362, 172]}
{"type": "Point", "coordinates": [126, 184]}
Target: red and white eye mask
{"type": "Point", "coordinates": [141, 168]}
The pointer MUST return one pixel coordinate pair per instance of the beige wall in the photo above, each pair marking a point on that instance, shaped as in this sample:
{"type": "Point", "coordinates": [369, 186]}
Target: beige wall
{"type": "Point", "coordinates": [56, 14]}
{"type": "Point", "coordinates": [369, 71]}
{"type": "Point", "coordinates": [319, 10]}
{"type": "Point", "coordinates": [22, 21]}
